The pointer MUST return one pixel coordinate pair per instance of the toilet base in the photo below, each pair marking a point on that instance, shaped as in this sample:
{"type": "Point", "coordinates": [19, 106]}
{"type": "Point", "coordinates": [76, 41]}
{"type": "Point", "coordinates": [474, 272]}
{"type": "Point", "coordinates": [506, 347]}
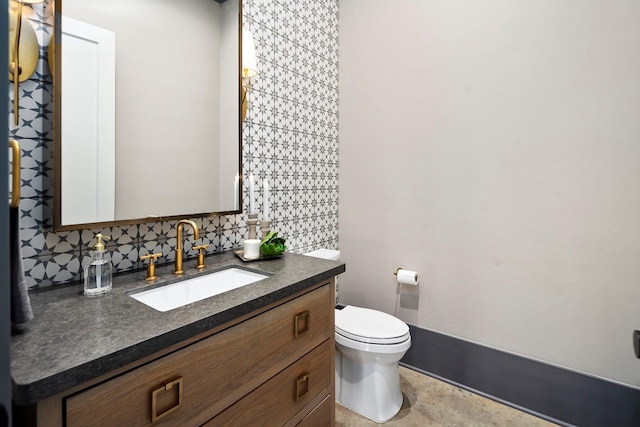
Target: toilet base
{"type": "Point", "coordinates": [371, 389]}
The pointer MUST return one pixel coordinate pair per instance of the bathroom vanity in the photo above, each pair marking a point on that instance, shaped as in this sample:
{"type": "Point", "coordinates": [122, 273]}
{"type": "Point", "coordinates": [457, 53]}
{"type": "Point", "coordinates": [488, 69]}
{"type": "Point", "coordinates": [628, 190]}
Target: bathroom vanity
{"type": "Point", "coordinates": [262, 354]}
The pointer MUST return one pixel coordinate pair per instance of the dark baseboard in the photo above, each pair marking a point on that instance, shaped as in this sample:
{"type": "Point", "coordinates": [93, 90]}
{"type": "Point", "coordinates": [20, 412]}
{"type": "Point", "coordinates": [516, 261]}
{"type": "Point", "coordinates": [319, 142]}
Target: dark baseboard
{"type": "Point", "coordinates": [558, 395]}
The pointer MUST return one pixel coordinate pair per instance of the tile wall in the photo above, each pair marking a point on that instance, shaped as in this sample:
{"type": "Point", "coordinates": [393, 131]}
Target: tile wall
{"type": "Point", "coordinates": [290, 135]}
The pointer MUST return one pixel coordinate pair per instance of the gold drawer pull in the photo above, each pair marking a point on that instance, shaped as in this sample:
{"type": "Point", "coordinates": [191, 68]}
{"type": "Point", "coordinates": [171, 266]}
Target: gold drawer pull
{"type": "Point", "coordinates": [302, 385]}
{"type": "Point", "coordinates": [302, 320]}
{"type": "Point", "coordinates": [154, 399]}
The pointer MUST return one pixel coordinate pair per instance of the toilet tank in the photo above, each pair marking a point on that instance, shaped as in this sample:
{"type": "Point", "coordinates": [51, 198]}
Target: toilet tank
{"type": "Point", "coordinates": [325, 254]}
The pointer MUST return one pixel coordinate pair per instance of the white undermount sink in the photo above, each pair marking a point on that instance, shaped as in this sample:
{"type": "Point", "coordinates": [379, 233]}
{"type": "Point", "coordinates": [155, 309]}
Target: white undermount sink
{"type": "Point", "coordinates": [174, 295]}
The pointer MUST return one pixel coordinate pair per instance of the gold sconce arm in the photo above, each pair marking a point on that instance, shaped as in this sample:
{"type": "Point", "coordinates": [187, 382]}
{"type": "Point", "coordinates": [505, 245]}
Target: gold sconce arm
{"type": "Point", "coordinates": [15, 174]}
{"type": "Point", "coordinates": [14, 67]}
{"type": "Point", "coordinates": [243, 102]}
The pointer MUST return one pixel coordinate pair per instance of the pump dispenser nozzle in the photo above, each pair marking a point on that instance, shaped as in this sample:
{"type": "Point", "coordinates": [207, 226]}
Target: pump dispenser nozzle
{"type": "Point", "coordinates": [99, 246]}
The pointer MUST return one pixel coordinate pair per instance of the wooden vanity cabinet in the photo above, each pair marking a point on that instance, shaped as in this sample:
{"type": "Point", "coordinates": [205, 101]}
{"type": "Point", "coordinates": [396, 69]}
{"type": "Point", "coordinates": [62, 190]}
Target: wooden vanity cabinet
{"type": "Point", "coordinates": [274, 368]}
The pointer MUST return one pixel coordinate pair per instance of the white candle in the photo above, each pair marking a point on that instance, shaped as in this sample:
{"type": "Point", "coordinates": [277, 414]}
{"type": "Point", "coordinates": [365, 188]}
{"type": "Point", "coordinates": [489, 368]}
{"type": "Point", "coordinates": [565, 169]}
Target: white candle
{"type": "Point", "coordinates": [252, 208]}
{"type": "Point", "coordinates": [236, 192]}
{"type": "Point", "coordinates": [265, 200]}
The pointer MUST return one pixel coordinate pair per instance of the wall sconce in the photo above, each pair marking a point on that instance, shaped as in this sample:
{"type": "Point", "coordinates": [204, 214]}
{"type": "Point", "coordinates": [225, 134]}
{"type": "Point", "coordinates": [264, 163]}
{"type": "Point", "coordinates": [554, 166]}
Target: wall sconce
{"type": "Point", "coordinates": [23, 51]}
{"type": "Point", "coordinates": [249, 68]}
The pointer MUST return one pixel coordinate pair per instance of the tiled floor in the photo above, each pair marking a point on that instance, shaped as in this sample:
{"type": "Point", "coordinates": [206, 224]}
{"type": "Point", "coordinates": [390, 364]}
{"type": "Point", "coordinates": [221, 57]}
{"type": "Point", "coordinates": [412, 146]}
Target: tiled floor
{"type": "Point", "coordinates": [430, 402]}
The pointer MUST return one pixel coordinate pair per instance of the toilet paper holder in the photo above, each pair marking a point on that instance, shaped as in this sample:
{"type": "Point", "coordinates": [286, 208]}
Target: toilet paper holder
{"type": "Point", "coordinates": [410, 279]}
{"type": "Point", "coordinates": [395, 273]}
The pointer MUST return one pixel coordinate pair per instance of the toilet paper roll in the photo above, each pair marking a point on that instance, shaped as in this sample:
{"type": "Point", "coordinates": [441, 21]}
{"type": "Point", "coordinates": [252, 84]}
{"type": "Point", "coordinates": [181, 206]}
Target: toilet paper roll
{"type": "Point", "coordinates": [408, 277]}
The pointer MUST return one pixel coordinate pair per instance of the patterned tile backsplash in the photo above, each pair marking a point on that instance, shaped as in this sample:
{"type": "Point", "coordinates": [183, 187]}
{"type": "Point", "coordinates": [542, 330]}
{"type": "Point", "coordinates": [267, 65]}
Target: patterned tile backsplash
{"type": "Point", "coordinates": [291, 128]}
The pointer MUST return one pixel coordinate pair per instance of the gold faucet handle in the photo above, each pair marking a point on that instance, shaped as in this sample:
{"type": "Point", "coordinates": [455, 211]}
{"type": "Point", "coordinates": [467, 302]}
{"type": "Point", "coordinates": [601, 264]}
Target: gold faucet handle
{"type": "Point", "coordinates": [200, 250]}
{"type": "Point", "coordinates": [151, 267]}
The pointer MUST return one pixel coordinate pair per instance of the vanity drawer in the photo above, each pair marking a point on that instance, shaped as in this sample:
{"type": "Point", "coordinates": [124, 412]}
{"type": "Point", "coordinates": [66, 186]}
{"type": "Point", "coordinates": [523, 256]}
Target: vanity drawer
{"type": "Point", "coordinates": [280, 398]}
{"type": "Point", "coordinates": [197, 382]}
{"type": "Point", "coordinates": [322, 415]}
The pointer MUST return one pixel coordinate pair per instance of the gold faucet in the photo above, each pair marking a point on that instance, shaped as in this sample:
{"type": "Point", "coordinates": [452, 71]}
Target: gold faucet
{"type": "Point", "coordinates": [179, 254]}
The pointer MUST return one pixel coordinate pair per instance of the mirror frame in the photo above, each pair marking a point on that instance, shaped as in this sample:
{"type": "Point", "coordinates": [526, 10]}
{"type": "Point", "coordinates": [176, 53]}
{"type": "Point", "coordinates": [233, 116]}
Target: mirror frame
{"type": "Point", "coordinates": [57, 142]}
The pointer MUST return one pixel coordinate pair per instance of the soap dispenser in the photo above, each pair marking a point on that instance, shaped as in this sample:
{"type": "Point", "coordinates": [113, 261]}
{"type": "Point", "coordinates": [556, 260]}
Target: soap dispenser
{"type": "Point", "coordinates": [97, 274]}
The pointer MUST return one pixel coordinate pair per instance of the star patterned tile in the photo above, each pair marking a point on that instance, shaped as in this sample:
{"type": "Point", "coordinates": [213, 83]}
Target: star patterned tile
{"type": "Point", "coordinates": [290, 136]}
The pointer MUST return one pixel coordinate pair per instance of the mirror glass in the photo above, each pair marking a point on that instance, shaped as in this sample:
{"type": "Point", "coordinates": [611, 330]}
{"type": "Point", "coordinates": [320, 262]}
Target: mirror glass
{"type": "Point", "coordinates": [147, 120]}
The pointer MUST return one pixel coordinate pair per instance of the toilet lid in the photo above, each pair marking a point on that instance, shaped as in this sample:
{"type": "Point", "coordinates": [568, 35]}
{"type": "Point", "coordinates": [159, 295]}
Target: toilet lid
{"type": "Point", "coordinates": [370, 326]}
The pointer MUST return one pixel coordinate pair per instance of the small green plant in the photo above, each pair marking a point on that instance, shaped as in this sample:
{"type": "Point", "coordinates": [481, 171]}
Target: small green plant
{"type": "Point", "coordinates": [272, 245]}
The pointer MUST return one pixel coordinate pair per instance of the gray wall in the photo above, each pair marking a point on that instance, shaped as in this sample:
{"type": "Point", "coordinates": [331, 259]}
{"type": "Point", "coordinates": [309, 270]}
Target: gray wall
{"type": "Point", "coordinates": [493, 147]}
{"type": "Point", "coordinates": [291, 134]}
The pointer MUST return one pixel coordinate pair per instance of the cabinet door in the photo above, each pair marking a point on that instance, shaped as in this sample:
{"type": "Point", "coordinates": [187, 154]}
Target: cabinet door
{"type": "Point", "coordinates": [279, 399]}
{"type": "Point", "coordinates": [192, 385]}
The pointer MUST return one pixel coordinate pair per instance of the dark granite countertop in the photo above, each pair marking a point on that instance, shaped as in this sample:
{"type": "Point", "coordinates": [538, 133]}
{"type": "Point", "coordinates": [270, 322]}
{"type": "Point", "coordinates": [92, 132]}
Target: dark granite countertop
{"type": "Point", "coordinates": [73, 339]}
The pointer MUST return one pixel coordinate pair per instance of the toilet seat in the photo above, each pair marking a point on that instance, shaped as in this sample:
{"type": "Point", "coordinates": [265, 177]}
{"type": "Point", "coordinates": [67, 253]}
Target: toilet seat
{"type": "Point", "coordinates": [370, 326]}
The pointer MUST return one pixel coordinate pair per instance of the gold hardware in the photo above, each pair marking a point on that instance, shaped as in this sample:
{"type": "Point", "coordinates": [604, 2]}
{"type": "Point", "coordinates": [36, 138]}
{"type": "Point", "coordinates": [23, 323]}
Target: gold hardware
{"type": "Point", "coordinates": [99, 246]}
{"type": "Point", "coordinates": [398, 269]}
{"type": "Point", "coordinates": [21, 64]}
{"type": "Point", "coordinates": [303, 380]}
{"type": "Point", "coordinates": [179, 254]}
{"type": "Point", "coordinates": [243, 103]}
{"type": "Point", "coordinates": [301, 319]}
{"type": "Point", "coordinates": [15, 173]}
{"type": "Point", "coordinates": [154, 399]}
{"type": "Point", "coordinates": [151, 267]}
{"type": "Point", "coordinates": [51, 55]}
{"type": "Point", "coordinates": [200, 250]}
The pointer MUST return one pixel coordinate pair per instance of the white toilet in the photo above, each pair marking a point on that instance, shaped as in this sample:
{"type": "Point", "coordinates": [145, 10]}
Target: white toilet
{"type": "Point", "coordinates": [369, 345]}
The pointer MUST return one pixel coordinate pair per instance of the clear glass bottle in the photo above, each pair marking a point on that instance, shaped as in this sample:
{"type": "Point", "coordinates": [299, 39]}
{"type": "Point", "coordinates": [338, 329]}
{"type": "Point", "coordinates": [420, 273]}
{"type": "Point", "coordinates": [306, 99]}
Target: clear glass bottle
{"type": "Point", "coordinates": [97, 274]}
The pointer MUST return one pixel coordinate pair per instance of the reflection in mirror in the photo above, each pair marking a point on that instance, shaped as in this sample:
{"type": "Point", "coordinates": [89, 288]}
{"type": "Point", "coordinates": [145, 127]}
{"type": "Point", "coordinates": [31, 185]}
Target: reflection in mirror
{"type": "Point", "coordinates": [147, 110]}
